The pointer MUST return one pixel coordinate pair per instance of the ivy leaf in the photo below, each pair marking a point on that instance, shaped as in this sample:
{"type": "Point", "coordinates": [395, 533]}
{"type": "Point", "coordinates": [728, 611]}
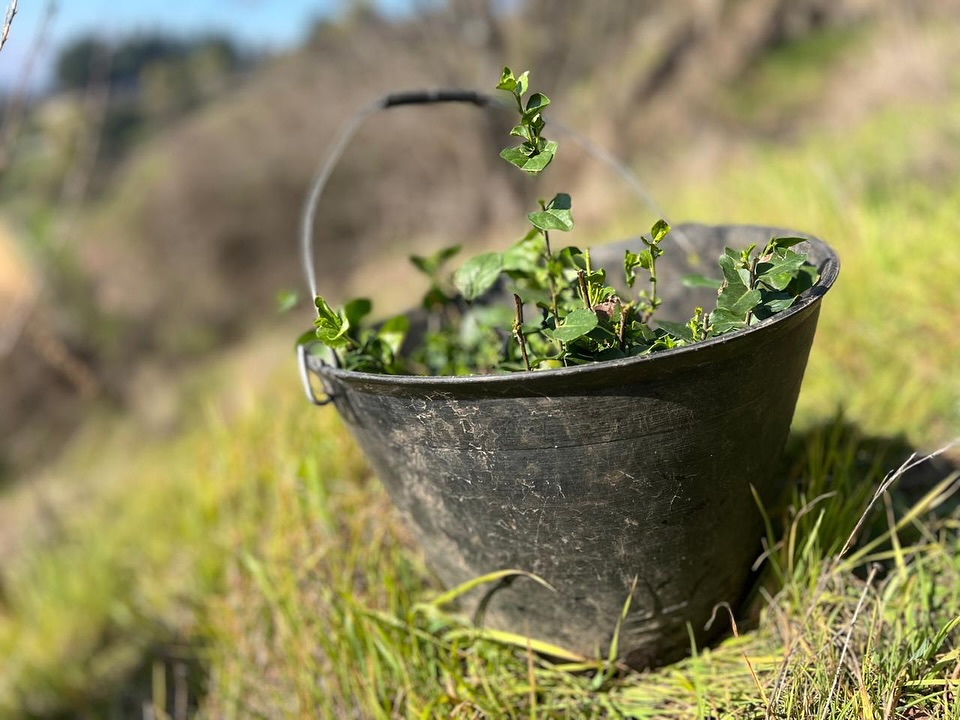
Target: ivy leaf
{"type": "Point", "coordinates": [572, 257]}
{"type": "Point", "coordinates": [722, 321]}
{"type": "Point", "coordinates": [777, 302]}
{"type": "Point", "coordinates": [632, 261]}
{"type": "Point", "coordinates": [780, 271]}
{"type": "Point", "coordinates": [434, 298]}
{"type": "Point", "coordinates": [805, 279]}
{"type": "Point", "coordinates": [393, 332]}
{"type": "Point", "coordinates": [307, 338]}
{"type": "Point", "coordinates": [507, 81]}
{"type": "Point", "coordinates": [535, 104]}
{"type": "Point", "coordinates": [430, 264]}
{"type": "Point", "coordinates": [331, 326]}
{"type": "Point", "coordinates": [355, 310]}
{"type": "Point", "coordinates": [478, 274]}
{"type": "Point", "coordinates": [733, 271]}
{"type": "Point", "coordinates": [695, 281]}
{"type": "Point", "coordinates": [680, 331]}
{"type": "Point", "coordinates": [534, 296]}
{"type": "Point", "coordinates": [512, 84]}
{"type": "Point", "coordinates": [575, 325]}
{"type": "Point", "coordinates": [286, 301]}
{"type": "Point", "coordinates": [522, 131]}
{"type": "Point", "coordinates": [782, 243]}
{"type": "Point", "coordinates": [555, 216]}
{"type": "Point", "coordinates": [738, 299]}
{"type": "Point", "coordinates": [522, 81]}
{"type": "Point", "coordinates": [524, 256]}
{"type": "Point", "coordinates": [517, 155]}
{"type": "Point", "coordinates": [659, 231]}
{"type": "Point", "coordinates": [529, 159]}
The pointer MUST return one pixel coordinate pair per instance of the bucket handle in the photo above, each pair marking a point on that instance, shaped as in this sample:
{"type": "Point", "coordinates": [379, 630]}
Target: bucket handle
{"type": "Point", "coordinates": [305, 363]}
{"type": "Point", "coordinates": [310, 363]}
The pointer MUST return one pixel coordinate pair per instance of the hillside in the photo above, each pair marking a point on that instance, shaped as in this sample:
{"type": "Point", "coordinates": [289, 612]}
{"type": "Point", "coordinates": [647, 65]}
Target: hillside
{"type": "Point", "coordinates": [194, 539]}
{"type": "Point", "coordinates": [216, 197]}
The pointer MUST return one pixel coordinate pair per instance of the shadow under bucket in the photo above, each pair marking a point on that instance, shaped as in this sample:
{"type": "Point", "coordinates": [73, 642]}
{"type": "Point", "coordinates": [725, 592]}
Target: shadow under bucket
{"type": "Point", "coordinates": [595, 475]}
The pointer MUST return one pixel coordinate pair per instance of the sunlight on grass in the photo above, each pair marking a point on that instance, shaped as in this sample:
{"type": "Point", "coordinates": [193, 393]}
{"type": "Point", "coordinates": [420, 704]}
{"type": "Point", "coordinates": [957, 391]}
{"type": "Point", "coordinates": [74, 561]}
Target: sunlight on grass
{"type": "Point", "coordinates": [884, 350]}
{"type": "Point", "coordinates": [264, 542]}
{"type": "Point", "coordinates": [125, 571]}
{"type": "Point", "coordinates": [326, 617]}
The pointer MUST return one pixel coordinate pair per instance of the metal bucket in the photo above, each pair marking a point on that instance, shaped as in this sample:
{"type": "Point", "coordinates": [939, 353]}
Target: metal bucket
{"type": "Point", "coordinates": [595, 476]}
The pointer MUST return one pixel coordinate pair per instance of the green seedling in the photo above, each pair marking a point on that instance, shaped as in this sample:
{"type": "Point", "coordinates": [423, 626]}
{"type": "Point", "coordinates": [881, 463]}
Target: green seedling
{"type": "Point", "coordinates": [564, 310]}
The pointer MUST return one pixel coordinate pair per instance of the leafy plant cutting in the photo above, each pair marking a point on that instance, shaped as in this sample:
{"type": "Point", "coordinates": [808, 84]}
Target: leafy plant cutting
{"type": "Point", "coordinates": [564, 310]}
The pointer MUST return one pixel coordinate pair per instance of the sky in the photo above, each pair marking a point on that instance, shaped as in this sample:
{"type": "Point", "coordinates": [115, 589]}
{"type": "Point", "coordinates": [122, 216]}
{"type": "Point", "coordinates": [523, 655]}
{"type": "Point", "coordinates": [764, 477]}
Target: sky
{"type": "Point", "coordinates": [257, 24]}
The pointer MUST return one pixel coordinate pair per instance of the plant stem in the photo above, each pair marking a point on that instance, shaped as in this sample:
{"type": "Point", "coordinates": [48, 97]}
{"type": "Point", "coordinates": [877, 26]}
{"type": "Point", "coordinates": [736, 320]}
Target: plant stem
{"type": "Point", "coordinates": [518, 330]}
{"type": "Point", "coordinates": [622, 327]}
{"type": "Point", "coordinates": [551, 281]}
{"type": "Point", "coordinates": [752, 281]}
{"type": "Point", "coordinates": [654, 301]}
{"type": "Point", "coordinates": [584, 291]}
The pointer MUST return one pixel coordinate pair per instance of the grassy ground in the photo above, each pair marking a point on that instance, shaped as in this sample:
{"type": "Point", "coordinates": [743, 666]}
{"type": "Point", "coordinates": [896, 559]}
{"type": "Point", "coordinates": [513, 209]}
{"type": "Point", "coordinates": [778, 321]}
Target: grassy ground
{"type": "Point", "coordinates": [258, 548]}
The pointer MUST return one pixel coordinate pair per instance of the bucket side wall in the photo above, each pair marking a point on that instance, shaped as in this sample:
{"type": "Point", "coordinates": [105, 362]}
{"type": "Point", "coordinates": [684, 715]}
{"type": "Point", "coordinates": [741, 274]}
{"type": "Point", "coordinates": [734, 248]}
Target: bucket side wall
{"type": "Point", "coordinates": [648, 476]}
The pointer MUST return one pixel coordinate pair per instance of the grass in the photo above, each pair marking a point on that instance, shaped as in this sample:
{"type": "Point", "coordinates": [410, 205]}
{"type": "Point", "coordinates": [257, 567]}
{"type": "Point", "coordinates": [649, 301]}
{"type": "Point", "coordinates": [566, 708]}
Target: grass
{"type": "Point", "coordinates": [349, 631]}
{"type": "Point", "coordinates": [266, 543]}
{"type": "Point", "coordinates": [259, 541]}
{"type": "Point", "coordinates": [885, 349]}
{"type": "Point", "coordinates": [790, 79]}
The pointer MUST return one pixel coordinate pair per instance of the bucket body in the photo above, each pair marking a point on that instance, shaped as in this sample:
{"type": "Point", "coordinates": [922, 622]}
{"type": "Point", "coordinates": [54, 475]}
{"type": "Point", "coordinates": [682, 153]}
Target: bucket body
{"type": "Point", "coordinates": [596, 475]}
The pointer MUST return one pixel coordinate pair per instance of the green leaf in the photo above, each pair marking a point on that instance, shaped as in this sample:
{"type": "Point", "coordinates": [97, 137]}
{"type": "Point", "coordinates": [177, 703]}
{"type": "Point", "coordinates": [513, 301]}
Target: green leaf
{"type": "Point", "coordinates": [778, 302]}
{"type": "Point", "coordinates": [286, 301]}
{"type": "Point", "coordinates": [680, 331]}
{"type": "Point", "coordinates": [512, 84]}
{"type": "Point", "coordinates": [738, 300]}
{"type": "Point", "coordinates": [722, 321]}
{"type": "Point", "coordinates": [556, 215]}
{"type": "Point", "coordinates": [517, 155]}
{"type": "Point", "coordinates": [355, 310]}
{"type": "Point", "coordinates": [535, 104]}
{"type": "Point", "coordinates": [507, 81]}
{"type": "Point", "coordinates": [522, 131]}
{"type": "Point", "coordinates": [524, 256]}
{"type": "Point", "coordinates": [806, 278]}
{"type": "Point", "coordinates": [733, 272]}
{"type": "Point", "coordinates": [431, 263]}
{"type": "Point", "coordinates": [659, 231]}
{"type": "Point", "coordinates": [572, 257]}
{"type": "Point", "coordinates": [331, 326]}
{"type": "Point", "coordinates": [534, 296]}
{"type": "Point", "coordinates": [575, 325]}
{"type": "Point", "coordinates": [695, 281]}
{"type": "Point", "coordinates": [478, 274]}
{"type": "Point", "coordinates": [632, 261]}
{"type": "Point", "coordinates": [310, 336]}
{"type": "Point", "coordinates": [434, 298]}
{"type": "Point", "coordinates": [522, 82]}
{"type": "Point", "coordinates": [780, 271]}
{"type": "Point", "coordinates": [393, 332]}
{"type": "Point", "coordinates": [782, 243]}
{"type": "Point", "coordinates": [529, 161]}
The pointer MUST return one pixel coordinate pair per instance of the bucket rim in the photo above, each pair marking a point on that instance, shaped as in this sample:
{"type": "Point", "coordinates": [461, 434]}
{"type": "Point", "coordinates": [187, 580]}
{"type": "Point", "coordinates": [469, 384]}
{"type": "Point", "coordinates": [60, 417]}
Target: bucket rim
{"type": "Point", "coordinates": [828, 265]}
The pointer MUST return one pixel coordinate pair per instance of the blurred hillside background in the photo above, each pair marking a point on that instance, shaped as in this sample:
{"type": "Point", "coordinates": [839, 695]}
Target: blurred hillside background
{"type": "Point", "coordinates": [153, 168]}
{"type": "Point", "coordinates": [151, 184]}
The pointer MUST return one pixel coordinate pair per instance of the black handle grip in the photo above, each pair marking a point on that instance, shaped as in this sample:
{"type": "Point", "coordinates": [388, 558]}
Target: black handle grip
{"type": "Point", "coordinates": [426, 97]}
